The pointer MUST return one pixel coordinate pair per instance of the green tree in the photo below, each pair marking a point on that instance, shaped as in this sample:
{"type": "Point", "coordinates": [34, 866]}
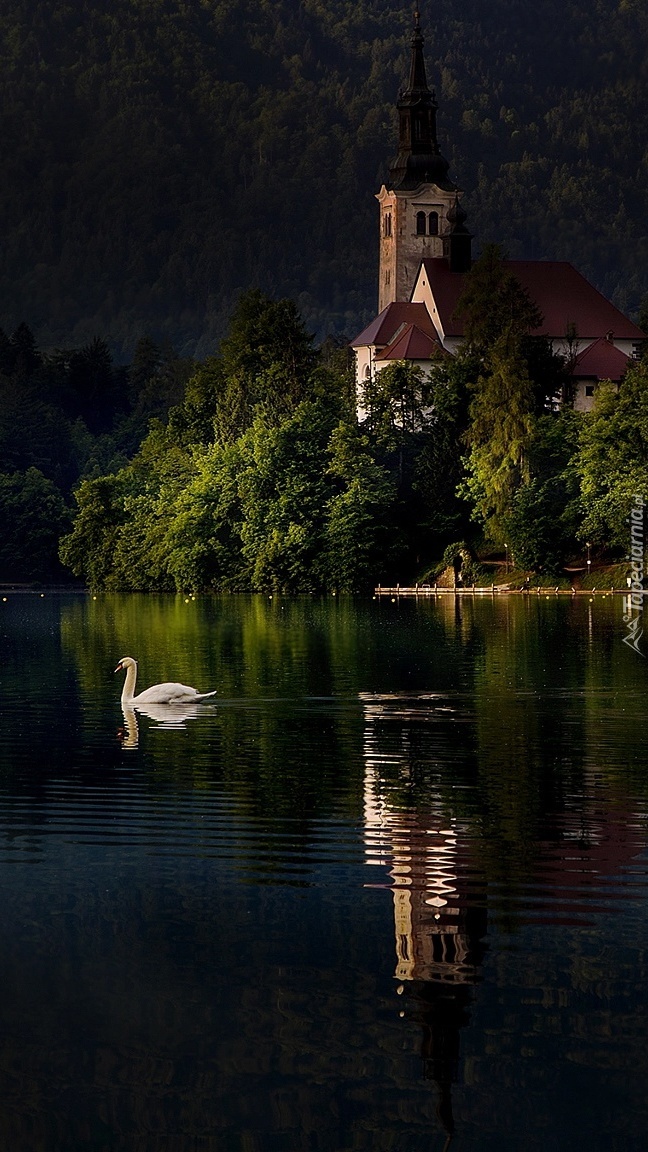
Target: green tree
{"type": "Point", "coordinates": [545, 512]}
{"type": "Point", "coordinates": [549, 372]}
{"type": "Point", "coordinates": [35, 434]}
{"type": "Point", "coordinates": [146, 363]}
{"type": "Point", "coordinates": [157, 380]}
{"type": "Point", "coordinates": [500, 435]}
{"type": "Point", "coordinates": [396, 401]}
{"type": "Point", "coordinates": [89, 549]}
{"type": "Point", "coordinates": [360, 538]}
{"type": "Point", "coordinates": [204, 538]}
{"type": "Point", "coordinates": [439, 469]}
{"type": "Point", "coordinates": [398, 415]}
{"type": "Point", "coordinates": [299, 506]}
{"type": "Point", "coordinates": [284, 492]}
{"type": "Point", "coordinates": [195, 421]}
{"type": "Point", "coordinates": [612, 460]}
{"type": "Point", "coordinates": [642, 319]}
{"type": "Point", "coordinates": [25, 355]}
{"type": "Point", "coordinates": [33, 515]}
{"type": "Point", "coordinates": [493, 304]}
{"type": "Point", "coordinates": [267, 358]}
{"type": "Point", "coordinates": [498, 316]}
{"type": "Point", "coordinates": [119, 536]}
{"type": "Point", "coordinates": [7, 357]}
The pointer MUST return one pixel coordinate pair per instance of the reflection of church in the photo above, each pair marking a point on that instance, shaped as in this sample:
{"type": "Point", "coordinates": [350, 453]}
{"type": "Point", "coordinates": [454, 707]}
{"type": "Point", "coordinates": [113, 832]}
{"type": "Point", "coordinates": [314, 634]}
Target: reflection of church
{"type": "Point", "coordinates": [438, 900]}
{"type": "Point", "coordinates": [425, 251]}
{"type": "Point", "coordinates": [572, 860]}
{"type": "Point", "coordinates": [428, 868]}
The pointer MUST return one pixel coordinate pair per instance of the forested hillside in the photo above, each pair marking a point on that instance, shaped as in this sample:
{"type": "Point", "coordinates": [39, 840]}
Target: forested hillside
{"type": "Point", "coordinates": [159, 156]}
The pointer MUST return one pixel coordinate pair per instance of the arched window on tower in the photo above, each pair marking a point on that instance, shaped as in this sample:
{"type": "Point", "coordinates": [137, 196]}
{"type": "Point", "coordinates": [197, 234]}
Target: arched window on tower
{"type": "Point", "coordinates": [387, 224]}
{"type": "Point", "coordinates": [433, 223]}
{"type": "Point", "coordinates": [420, 224]}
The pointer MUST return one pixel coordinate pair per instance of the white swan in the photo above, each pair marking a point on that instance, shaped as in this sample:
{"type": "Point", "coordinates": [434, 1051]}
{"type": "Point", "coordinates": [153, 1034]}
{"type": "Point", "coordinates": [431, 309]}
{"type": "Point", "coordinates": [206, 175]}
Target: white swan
{"type": "Point", "coordinates": [159, 693]}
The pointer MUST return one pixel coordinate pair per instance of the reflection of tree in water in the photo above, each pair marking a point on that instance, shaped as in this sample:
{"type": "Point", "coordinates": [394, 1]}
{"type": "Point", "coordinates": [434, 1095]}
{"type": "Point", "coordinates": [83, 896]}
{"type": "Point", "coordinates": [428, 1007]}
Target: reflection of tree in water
{"type": "Point", "coordinates": [439, 908]}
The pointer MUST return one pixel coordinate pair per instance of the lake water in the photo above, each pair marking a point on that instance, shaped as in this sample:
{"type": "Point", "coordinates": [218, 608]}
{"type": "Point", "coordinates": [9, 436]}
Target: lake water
{"type": "Point", "coordinates": [387, 892]}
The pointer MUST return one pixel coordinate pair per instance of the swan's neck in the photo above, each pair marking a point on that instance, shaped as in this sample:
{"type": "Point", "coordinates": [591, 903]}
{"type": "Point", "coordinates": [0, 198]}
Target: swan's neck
{"type": "Point", "coordinates": [129, 683]}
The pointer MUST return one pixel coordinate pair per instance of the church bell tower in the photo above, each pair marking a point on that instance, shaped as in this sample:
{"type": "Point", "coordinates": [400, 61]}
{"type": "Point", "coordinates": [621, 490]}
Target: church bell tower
{"type": "Point", "coordinates": [419, 207]}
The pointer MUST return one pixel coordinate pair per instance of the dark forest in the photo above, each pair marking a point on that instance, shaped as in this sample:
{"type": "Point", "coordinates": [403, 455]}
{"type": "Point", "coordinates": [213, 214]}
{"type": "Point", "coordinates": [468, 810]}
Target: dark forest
{"type": "Point", "coordinates": [161, 156]}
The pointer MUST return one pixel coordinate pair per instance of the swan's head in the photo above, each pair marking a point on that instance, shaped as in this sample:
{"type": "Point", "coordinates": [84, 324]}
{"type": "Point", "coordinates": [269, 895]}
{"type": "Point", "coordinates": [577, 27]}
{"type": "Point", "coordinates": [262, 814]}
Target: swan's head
{"type": "Point", "coordinates": [126, 662]}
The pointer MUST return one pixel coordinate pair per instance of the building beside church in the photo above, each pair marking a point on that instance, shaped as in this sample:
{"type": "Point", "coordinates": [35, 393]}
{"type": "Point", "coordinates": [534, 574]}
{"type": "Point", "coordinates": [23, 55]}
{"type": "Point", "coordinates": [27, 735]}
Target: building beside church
{"type": "Point", "coordinates": [426, 250]}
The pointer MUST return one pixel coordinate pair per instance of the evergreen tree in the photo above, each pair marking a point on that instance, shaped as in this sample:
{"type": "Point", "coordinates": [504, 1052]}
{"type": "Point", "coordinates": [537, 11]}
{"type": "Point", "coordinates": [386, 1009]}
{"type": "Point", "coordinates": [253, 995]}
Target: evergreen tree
{"type": "Point", "coordinates": [7, 354]}
{"type": "Point", "coordinates": [493, 304]}
{"type": "Point", "coordinates": [396, 400]}
{"type": "Point", "coordinates": [24, 352]}
{"type": "Point", "coordinates": [361, 539]}
{"type": "Point", "coordinates": [146, 363]}
{"type": "Point", "coordinates": [498, 316]}
{"type": "Point", "coordinates": [438, 470]}
{"type": "Point", "coordinates": [545, 512]}
{"type": "Point", "coordinates": [33, 515]}
{"type": "Point", "coordinates": [267, 360]}
{"type": "Point", "coordinates": [499, 435]}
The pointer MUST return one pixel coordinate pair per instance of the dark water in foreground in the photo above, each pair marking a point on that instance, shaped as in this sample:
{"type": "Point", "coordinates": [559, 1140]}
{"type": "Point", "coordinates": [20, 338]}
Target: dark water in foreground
{"type": "Point", "coordinates": [388, 890]}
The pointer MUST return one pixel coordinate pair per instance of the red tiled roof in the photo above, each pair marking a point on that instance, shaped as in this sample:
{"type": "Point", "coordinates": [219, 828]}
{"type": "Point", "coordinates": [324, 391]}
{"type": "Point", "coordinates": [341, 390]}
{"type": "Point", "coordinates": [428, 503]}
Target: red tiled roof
{"type": "Point", "coordinates": [446, 288]}
{"type": "Point", "coordinates": [411, 344]}
{"type": "Point", "coordinates": [395, 316]}
{"type": "Point", "coordinates": [563, 296]}
{"type": "Point", "coordinates": [601, 361]}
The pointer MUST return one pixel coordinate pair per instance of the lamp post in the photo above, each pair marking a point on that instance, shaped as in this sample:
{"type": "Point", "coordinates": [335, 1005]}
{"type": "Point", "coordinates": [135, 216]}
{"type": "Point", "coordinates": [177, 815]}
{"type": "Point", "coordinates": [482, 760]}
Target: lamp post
{"type": "Point", "coordinates": [589, 562]}
{"type": "Point", "coordinates": [507, 556]}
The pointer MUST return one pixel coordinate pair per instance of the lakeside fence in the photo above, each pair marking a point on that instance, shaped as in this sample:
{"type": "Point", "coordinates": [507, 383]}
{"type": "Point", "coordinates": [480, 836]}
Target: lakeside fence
{"type": "Point", "coordinates": [493, 590]}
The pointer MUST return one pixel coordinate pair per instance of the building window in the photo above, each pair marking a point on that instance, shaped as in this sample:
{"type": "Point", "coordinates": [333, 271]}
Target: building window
{"type": "Point", "coordinates": [387, 224]}
{"type": "Point", "coordinates": [388, 277]}
{"type": "Point", "coordinates": [433, 223]}
{"type": "Point", "coordinates": [420, 224]}
{"type": "Point", "coordinates": [589, 389]}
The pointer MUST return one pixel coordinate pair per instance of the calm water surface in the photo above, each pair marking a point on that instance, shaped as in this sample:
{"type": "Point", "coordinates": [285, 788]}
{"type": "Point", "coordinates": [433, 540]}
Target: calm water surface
{"type": "Point", "coordinates": [387, 892]}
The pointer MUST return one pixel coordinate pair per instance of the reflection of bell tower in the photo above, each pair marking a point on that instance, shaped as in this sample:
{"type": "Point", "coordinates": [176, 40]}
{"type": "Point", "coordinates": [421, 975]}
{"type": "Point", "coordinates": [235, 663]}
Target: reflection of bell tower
{"type": "Point", "coordinates": [439, 915]}
{"type": "Point", "coordinates": [418, 196]}
{"type": "Point", "coordinates": [433, 933]}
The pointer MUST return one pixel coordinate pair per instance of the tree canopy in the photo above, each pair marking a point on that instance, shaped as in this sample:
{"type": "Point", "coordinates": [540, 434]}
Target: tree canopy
{"type": "Point", "coordinates": [249, 471]}
{"type": "Point", "coordinates": [259, 480]}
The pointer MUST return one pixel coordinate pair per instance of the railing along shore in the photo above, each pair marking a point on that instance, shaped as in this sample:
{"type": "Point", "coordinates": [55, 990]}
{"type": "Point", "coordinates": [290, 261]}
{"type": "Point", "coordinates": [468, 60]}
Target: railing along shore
{"type": "Point", "coordinates": [494, 590]}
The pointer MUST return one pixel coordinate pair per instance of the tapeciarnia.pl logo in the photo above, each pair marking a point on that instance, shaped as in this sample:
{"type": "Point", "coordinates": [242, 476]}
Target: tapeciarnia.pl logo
{"type": "Point", "coordinates": [633, 615]}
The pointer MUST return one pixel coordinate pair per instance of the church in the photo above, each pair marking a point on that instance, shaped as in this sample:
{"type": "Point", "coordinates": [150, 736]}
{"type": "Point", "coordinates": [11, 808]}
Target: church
{"type": "Point", "coordinates": [426, 251]}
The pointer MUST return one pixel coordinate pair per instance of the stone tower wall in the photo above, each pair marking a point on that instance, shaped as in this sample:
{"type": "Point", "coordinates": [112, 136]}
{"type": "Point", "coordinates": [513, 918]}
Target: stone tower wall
{"type": "Point", "coordinates": [403, 244]}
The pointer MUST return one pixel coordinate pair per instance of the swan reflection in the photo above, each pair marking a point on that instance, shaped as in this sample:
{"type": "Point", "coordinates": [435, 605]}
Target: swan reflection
{"type": "Point", "coordinates": [166, 716]}
{"type": "Point", "coordinates": [128, 736]}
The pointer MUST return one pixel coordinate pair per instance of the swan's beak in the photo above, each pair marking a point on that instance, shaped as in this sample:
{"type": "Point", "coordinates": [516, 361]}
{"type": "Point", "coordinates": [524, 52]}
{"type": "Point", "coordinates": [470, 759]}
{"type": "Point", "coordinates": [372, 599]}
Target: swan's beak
{"type": "Point", "coordinates": [119, 668]}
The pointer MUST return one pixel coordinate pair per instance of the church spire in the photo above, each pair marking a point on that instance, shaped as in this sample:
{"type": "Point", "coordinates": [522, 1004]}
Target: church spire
{"type": "Point", "coordinates": [420, 214]}
{"type": "Point", "coordinates": [418, 79]}
{"type": "Point", "coordinates": [419, 160]}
